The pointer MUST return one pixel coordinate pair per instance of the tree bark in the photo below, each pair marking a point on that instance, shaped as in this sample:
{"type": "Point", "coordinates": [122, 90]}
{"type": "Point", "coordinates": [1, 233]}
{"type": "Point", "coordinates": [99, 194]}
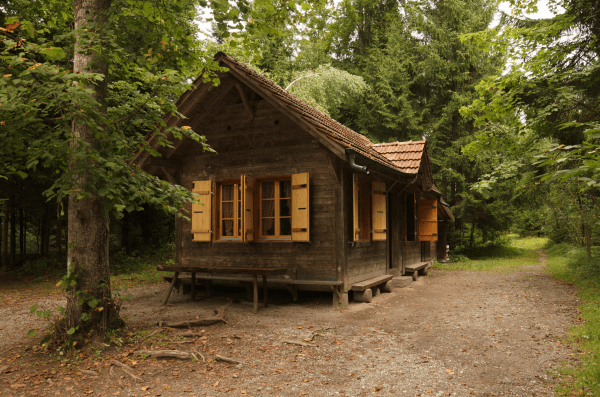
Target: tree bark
{"type": "Point", "coordinates": [13, 231]}
{"type": "Point", "coordinates": [5, 237]}
{"type": "Point", "coordinates": [87, 218]}
{"type": "Point", "coordinates": [59, 237]}
{"type": "Point", "coordinates": [21, 235]}
{"type": "Point", "coordinates": [46, 241]}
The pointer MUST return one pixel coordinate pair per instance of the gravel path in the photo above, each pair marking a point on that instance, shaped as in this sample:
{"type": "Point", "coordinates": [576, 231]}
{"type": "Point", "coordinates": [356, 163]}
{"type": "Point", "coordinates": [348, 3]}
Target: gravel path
{"type": "Point", "coordinates": [454, 333]}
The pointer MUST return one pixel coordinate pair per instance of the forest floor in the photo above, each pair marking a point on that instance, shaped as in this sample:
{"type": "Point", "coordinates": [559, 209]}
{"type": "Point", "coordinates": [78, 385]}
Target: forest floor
{"type": "Point", "coordinates": [453, 333]}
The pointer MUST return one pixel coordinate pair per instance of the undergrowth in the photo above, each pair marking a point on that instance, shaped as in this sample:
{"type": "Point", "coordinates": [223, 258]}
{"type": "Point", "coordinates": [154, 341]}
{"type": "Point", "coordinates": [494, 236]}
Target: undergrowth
{"type": "Point", "coordinates": [126, 271]}
{"type": "Point", "coordinates": [513, 253]}
{"type": "Point", "coordinates": [571, 265]}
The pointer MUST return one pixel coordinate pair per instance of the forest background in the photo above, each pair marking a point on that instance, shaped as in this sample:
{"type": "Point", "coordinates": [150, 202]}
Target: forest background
{"type": "Point", "coordinates": [509, 106]}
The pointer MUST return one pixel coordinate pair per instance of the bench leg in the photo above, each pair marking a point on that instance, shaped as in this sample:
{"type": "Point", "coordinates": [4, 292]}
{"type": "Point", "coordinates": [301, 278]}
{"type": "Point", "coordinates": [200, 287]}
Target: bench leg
{"type": "Point", "coordinates": [255, 282]}
{"type": "Point", "coordinates": [293, 290]}
{"type": "Point", "coordinates": [193, 286]}
{"type": "Point", "coordinates": [415, 276]}
{"type": "Point", "coordinates": [265, 291]}
{"type": "Point", "coordinates": [173, 282]}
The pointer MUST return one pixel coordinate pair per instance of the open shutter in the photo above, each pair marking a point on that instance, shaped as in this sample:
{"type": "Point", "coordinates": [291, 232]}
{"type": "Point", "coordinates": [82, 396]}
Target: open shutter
{"type": "Point", "coordinates": [201, 211]}
{"type": "Point", "coordinates": [428, 225]}
{"type": "Point", "coordinates": [247, 215]}
{"type": "Point", "coordinates": [355, 209]}
{"type": "Point", "coordinates": [378, 203]}
{"type": "Point", "coordinates": [300, 207]}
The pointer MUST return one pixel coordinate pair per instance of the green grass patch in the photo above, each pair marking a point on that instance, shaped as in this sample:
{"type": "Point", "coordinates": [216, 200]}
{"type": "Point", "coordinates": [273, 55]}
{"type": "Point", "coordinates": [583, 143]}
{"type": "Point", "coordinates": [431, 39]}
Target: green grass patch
{"type": "Point", "coordinates": [571, 265]}
{"type": "Point", "coordinates": [515, 253]}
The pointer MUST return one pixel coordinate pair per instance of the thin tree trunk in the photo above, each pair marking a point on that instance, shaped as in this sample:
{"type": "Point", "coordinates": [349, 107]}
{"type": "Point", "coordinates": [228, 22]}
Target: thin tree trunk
{"type": "Point", "coordinates": [5, 237]}
{"type": "Point", "coordinates": [37, 236]}
{"type": "Point", "coordinates": [87, 218]}
{"type": "Point", "coordinates": [13, 231]}
{"type": "Point", "coordinates": [47, 232]}
{"type": "Point", "coordinates": [21, 235]}
{"type": "Point", "coordinates": [59, 237]}
{"type": "Point", "coordinates": [472, 237]}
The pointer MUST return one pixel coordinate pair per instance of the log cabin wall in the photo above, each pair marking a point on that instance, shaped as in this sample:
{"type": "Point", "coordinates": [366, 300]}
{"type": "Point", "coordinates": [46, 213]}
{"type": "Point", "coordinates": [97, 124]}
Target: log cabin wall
{"type": "Point", "coordinates": [268, 145]}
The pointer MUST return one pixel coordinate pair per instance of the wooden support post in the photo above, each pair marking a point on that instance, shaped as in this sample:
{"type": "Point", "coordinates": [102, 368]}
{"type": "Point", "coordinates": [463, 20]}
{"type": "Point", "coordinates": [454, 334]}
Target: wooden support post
{"type": "Point", "coordinates": [265, 291]}
{"type": "Point", "coordinates": [193, 286]}
{"type": "Point", "coordinates": [293, 290]}
{"type": "Point", "coordinates": [255, 283]}
{"type": "Point", "coordinates": [340, 298]}
{"type": "Point", "coordinates": [173, 282]}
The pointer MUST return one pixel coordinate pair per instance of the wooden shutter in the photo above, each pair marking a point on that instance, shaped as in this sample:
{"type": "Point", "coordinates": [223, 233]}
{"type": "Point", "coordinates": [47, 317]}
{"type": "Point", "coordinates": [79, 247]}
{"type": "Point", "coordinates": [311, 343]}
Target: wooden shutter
{"type": "Point", "coordinates": [379, 208]}
{"type": "Point", "coordinates": [201, 211]}
{"type": "Point", "coordinates": [355, 209]}
{"type": "Point", "coordinates": [300, 207]}
{"type": "Point", "coordinates": [428, 225]}
{"type": "Point", "coordinates": [247, 215]}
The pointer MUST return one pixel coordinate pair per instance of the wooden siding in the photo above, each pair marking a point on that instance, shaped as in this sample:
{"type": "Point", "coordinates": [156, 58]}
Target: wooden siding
{"type": "Point", "coordinates": [269, 145]}
{"type": "Point", "coordinates": [364, 259]}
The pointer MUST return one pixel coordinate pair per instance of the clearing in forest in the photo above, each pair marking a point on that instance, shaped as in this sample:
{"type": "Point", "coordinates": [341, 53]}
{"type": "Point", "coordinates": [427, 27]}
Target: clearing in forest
{"type": "Point", "coordinates": [454, 333]}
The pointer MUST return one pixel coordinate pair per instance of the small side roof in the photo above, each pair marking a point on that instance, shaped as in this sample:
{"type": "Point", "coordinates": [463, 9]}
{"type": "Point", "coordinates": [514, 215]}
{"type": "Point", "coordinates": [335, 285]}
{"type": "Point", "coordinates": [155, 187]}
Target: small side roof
{"type": "Point", "coordinates": [406, 156]}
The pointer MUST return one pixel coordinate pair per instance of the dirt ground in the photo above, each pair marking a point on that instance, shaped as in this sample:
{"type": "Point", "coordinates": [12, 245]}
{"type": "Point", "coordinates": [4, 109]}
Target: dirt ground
{"type": "Point", "coordinates": [453, 333]}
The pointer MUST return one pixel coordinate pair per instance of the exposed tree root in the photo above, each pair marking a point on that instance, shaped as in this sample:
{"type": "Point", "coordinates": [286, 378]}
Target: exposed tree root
{"type": "Point", "coordinates": [218, 317]}
{"type": "Point", "coordinates": [227, 359]}
{"type": "Point", "coordinates": [166, 353]}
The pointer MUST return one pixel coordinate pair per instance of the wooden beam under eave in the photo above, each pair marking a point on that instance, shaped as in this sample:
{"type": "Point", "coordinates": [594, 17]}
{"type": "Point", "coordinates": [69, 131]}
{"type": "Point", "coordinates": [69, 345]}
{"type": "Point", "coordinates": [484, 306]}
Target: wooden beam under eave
{"type": "Point", "coordinates": [245, 100]}
{"type": "Point", "coordinates": [169, 176]}
{"type": "Point", "coordinates": [169, 164]}
{"type": "Point", "coordinates": [176, 145]}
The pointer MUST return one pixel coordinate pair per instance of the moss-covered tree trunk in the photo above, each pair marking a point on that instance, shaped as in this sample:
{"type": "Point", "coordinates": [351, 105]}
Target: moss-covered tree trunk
{"type": "Point", "coordinates": [87, 218]}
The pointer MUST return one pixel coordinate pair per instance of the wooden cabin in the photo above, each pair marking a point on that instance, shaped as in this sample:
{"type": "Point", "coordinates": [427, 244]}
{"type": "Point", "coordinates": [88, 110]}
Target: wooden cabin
{"type": "Point", "coordinates": [290, 188]}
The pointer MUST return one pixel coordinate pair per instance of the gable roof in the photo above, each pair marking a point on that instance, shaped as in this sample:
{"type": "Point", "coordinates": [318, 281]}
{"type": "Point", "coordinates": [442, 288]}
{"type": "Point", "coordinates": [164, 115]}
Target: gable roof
{"type": "Point", "coordinates": [333, 130]}
{"type": "Point", "coordinates": [403, 157]}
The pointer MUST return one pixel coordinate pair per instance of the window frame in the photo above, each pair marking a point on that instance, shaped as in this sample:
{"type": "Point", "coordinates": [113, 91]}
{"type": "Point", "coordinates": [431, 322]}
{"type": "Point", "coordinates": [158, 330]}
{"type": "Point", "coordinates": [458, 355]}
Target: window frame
{"type": "Point", "coordinates": [277, 208]}
{"type": "Point", "coordinates": [218, 210]}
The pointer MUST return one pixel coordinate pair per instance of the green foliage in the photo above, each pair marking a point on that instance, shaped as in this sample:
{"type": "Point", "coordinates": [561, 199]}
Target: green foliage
{"type": "Point", "coordinates": [326, 88]}
{"type": "Point", "coordinates": [571, 265]}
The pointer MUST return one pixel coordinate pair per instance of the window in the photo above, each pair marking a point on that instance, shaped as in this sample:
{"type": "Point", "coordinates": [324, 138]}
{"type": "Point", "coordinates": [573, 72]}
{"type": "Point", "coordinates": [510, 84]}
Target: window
{"type": "Point", "coordinates": [370, 210]}
{"type": "Point", "coordinates": [230, 203]}
{"type": "Point", "coordinates": [276, 209]}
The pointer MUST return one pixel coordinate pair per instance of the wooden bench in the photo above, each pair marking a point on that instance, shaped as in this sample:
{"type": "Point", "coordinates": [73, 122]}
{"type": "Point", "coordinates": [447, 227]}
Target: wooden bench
{"type": "Point", "coordinates": [417, 269]}
{"type": "Point", "coordinates": [288, 282]}
{"type": "Point", "coordinates": [252, 271]}
{"type": "Point", "coordinates": [363, 285]}
{"type": "Point", "coordinates": [363, 290]}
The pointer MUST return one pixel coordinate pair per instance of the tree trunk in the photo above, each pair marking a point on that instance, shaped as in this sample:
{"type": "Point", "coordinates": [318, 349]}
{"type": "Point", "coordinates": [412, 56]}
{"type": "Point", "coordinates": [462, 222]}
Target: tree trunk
{"type": "Point", "coordinates": [13, 231]}
{"type": "Point", "coordinates": [46, 241]}
{"type": "Point", "coordinates": [125, 232]}
{"type": "Point", "coordinates": [5, 237]}
{"type": "Point", "coordinates": [59, 237]}
{"type": "Point", "coordinates": [21, 235]}
{"type": "Point", "coordinates": [87, 218]}
{"type": "Point", "coordinates": [472, 237]}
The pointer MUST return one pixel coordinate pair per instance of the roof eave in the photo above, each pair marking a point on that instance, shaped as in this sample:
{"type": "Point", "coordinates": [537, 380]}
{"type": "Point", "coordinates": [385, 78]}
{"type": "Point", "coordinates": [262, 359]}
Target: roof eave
{"type": "Point", "coordinates": [385, 168]}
